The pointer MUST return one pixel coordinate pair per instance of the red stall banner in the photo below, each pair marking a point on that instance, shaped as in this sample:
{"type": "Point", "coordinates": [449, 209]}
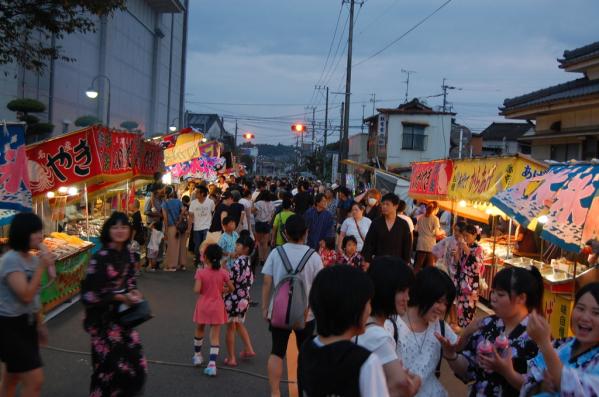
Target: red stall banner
{"type": "Point", "coordinates": [91, 155]}
{"type": "Point", "coordinates": [430, 180]}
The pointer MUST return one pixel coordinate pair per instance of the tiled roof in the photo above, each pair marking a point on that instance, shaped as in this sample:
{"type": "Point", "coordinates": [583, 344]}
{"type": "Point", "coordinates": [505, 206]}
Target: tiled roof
{"type": "Point", "coordinates": [579, 54]}
{"type": "Point", "coordinates": [572, 89]}
{"type": "Point", "coordinates": [509, 131]}
{"type": "Point", "coordinates": [412, 107]}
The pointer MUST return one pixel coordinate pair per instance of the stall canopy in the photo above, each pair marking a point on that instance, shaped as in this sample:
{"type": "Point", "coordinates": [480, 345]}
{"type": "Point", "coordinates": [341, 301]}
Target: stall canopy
{"type": "Point", "coordinates": [386, 182]}
{"type": "Point", "coordinates": [465, 186]}
{"type": "Point", "coordinates": [94, 155]}
{"type": "Point", "coordinates": [568, 195]}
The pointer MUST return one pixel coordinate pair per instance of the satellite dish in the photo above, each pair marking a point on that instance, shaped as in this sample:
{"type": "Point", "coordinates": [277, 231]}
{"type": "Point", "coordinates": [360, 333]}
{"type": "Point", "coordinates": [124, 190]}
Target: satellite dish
{"type": "Point", "coordinates": [455, 135]}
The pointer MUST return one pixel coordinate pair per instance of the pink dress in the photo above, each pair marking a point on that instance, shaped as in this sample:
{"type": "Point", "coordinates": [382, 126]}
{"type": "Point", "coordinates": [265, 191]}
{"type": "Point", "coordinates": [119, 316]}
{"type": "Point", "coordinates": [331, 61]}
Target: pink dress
{"type": "Point", "coordinates": [210, 306]}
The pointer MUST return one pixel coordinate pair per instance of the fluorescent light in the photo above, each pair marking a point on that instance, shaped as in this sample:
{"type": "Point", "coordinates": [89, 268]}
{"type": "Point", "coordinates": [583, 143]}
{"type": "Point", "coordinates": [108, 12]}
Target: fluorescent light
{"type": "Point", "coordinates": [462, 203]}
{"type": "Point", "coordinates": [91, 93]}
{"type": "Point", "coordinates": [50, 195]}
{"type": "Point", "coordinates": [63, 190]}
{"type": "Point", "coordinates": [73, 191]}
{"type": "Point", "coordinates": [543, 219]}
{"type": "Point", "coordinates": [167, 178]}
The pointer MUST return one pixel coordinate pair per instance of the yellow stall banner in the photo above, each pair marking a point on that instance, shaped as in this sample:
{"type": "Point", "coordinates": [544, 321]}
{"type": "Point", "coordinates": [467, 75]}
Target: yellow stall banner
{"type": "Point", "coordinates": [558, 309]}
{"type": "Point", "coordinates": [479, 179]}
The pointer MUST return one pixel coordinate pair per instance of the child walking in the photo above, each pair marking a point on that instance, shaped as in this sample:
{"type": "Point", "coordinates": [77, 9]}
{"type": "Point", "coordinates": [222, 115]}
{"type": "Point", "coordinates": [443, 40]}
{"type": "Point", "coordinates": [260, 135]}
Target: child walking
{"type": "Point", "coordinates": [211, 283]}
{"type": "Point", "coordinates": [228, 240]}
{"type": "Point", "coordinates": [350, 255]}
{"type": "Point", "coordinates": [327, 251]}
{"type": "Point", "coordinates": [156, 237]}
{"type": "Point", "coordinates": [238, 301]}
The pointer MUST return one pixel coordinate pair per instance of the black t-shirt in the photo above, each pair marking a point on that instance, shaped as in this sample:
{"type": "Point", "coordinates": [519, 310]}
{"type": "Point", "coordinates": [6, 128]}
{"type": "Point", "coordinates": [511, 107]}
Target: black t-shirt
{"type": "Point", "coordinates": [303, 201]}
{"type": "Point", "coordinates": [216, 225]}
{"type": "Point", "coordinates": [137, 225]}
{"type": "Point", "coordinates": [236, 210]}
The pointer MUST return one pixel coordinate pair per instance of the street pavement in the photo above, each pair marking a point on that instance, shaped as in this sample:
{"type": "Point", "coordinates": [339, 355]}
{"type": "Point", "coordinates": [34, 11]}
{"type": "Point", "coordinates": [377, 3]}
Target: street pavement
{"type": "Point", "coordinates": [167, 341]}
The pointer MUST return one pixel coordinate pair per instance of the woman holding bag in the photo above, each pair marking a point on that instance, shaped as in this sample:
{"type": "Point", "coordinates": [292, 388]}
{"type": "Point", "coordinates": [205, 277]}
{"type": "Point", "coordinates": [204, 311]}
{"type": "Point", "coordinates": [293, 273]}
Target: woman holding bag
{"type": "Point", "coordinates": [356, 225]}
{"type": "Point", "coordinates": [118, 364]}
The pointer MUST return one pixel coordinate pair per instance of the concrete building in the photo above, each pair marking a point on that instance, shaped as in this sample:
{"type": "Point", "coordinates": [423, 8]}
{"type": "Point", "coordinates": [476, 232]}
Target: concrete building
{"type": "Point", "coordinates": [503, 138]}
{"type": "Point", "coordinates": [410, 132]}
{"type": "Point", "coordinates": [567, 115]}
{"type": "Point", "coordinates": [358, 148]}
{"type": "Point", "coordinates": [141, 50]}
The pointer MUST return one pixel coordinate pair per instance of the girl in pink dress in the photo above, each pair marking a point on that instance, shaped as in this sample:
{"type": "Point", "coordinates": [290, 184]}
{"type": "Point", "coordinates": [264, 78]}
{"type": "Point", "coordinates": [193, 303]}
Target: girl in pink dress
{"type": "Point", "coordinates": [211, 283]}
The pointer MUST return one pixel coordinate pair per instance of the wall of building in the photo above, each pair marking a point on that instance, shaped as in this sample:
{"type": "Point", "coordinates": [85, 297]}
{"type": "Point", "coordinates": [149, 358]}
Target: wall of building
{"type": "Point", "coordinates": [579, 118]}
{"type": "Point", "coordinates": [358, 145]}
{"type": "Point", "coordinates": [437, 147]}
{"type": "Point", "coordinates": [144, 70]}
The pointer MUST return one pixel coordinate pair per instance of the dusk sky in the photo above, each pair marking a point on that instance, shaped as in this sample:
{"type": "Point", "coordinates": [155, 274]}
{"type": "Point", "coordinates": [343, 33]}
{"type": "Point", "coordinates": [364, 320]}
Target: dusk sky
{"type": "Point", "coordinates": [259, 61]}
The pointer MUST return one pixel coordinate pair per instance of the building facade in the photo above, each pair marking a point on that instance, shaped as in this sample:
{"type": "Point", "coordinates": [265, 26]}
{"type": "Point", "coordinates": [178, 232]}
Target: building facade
{"type": "Point", "coordinates": [358, 145]}
{"type": "Point", "coordinates": [500, 139]}
{"type": "Point", "coordinates": [141, 51]}
{"type": "Point", "coordinates": [408, 133]}
{"type": "Point", "coordinates": [566, 115]}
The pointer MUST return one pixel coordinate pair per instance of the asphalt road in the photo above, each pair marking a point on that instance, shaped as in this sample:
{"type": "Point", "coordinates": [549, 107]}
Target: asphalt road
{"type": "Point", "coordinates": [167, 341]}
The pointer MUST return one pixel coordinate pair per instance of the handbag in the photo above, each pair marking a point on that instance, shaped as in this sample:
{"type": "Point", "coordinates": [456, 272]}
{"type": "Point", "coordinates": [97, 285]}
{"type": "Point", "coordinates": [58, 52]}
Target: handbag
{"type": "Point", "coordinates": [359, 231]}
{"type": "Point", "coordinates": [135, 315]}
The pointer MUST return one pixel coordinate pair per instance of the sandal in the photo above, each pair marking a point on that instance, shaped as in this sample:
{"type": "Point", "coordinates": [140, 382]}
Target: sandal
{"type": "Point", "coordinates": [230, 363]}
{"type": "Point", "coordinates": [247, 355]}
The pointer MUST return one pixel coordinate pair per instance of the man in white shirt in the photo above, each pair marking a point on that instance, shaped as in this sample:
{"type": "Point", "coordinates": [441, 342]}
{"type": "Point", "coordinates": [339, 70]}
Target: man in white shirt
{"type": "Point", "coordinates": [274, 271]}
{"type": "Point", "coordinates": [200, 214]}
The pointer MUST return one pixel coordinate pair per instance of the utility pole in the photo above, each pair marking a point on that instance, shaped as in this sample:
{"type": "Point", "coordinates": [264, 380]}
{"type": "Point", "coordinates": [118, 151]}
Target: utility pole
{"type": "Point", "coordinates": [313, 129]}
{"type": "Point", "coordinates": [326, 130]}
{"type": "Point", "coordinates": [408, 73]}
{"type": "Point", "coordinates": [341, 125]}
{"type": "Point", "coordinates": [363, 115]}
{"type": "Point", "coordinates": [446, 87]}
{"type": "Point", "coordinates": [350, 40]}
{"type": "Point", "coordinates": [235, 143]}
{"type": "Point", "coordinates": [373, 100]}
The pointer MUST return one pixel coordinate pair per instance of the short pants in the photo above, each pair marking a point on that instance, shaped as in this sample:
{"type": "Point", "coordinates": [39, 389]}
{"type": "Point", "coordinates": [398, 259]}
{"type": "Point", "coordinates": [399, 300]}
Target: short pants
{"type": "Point", "coordinates": [280, 338]}
{"type": "Point", "coordinates": [19, 345]}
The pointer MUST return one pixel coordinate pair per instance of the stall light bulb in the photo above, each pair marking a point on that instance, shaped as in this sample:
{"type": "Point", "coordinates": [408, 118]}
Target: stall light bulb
{"type": "Point", "coordinates": [63, 189]}
{"type": "Point", "coordinates": [167, 178]}
{"type": "Point", "coordinates": [462, 203]}
{"type": "Point", "coordinates": [73, 191]}
{"type": "Point", "coordinates": [543, 219]}
{"type": "Point", "coordinates": [50, 195]}
{"type": "Point", "coordinates": [488, 211]}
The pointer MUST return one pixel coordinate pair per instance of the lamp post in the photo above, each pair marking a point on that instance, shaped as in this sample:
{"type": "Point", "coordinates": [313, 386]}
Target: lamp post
{"type": "Point", "coordinates": [93, 94]}
{"type": "Point", "coordinates": [172, 127]}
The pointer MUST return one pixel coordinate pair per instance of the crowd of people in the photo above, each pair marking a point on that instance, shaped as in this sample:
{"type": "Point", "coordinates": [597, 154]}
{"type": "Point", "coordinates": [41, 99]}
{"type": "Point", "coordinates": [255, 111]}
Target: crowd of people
{"type": "Point", "coordinates": [377, 292]}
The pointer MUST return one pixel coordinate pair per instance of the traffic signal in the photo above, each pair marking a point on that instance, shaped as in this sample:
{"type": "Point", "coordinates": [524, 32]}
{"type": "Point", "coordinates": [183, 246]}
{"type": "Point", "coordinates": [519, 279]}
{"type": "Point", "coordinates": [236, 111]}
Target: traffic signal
{"type": "Point", "coordinates": [298, 128]}
{"type": "Point", "coordinates": [249, 136]}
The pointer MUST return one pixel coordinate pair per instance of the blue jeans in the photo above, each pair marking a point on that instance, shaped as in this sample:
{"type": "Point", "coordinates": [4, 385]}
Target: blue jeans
{"type": "Point", "coordinates": [198, 237]}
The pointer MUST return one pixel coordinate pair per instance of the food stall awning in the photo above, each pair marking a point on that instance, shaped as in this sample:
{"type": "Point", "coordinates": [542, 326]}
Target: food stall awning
{"type": "Point", "coordinates": [430, 179]}
{"type": "Point", "coordinates": [15, 190]}
{"type": "Point", "coordinates": [565, 200]}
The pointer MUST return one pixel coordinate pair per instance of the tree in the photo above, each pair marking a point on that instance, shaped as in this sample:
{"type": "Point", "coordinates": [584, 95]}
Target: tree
{"type": "Point", "coordinates": [86, 121]}
{"type": "Point", "coordinates": [27, 27]}
{"type": "Point", "coordinates": [23, 107]}
{"type": "Point", "coordinates": [129, 125]}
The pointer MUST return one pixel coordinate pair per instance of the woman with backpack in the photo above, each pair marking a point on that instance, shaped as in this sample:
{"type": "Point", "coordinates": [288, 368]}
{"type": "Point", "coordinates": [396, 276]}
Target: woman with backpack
{"type": "Point", "coordinates": [177, 227]}
{"type": "Point", "coordinates": [278, 232]}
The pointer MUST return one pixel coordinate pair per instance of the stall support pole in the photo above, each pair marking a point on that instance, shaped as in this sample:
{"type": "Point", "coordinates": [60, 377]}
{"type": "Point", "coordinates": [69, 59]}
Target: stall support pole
{"type": "Point", "coordinates": [509, 240]}
{"type": "Point", "coordinates": [574, 280]}
{"type": "Point", "coordinates": [86, 198]}
{"type": "Point", "coordinates": [494, 231]}
{"type": "Point", "coordinates": [127, 198]}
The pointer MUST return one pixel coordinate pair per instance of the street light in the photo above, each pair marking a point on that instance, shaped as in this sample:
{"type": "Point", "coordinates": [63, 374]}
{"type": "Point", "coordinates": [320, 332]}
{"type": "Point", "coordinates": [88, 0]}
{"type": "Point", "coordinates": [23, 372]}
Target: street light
{"type": "Point", "coordinates": [92, 93]}
{"type": "Point", "coordinates": [173, 127]}
{"type": "Point", "coordinates": [248, 136]}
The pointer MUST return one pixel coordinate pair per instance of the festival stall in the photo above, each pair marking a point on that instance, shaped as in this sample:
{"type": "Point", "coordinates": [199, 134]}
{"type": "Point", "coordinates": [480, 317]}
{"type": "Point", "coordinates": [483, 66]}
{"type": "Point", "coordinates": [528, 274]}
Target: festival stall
{"type": "Point", "coordinates": [465, 187]}
{"type": "Point", "coordinates": [65, 173]}
{"type": "Point", "coordinates": [193, 158]}
{"type": "Point", "coordinates": [565, 203]}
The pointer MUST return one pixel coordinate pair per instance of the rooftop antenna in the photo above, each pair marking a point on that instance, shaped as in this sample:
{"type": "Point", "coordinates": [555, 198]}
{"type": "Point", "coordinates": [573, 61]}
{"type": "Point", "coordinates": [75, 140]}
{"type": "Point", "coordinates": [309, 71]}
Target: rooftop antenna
{"type": "Point", "coordinates": [407, 81]}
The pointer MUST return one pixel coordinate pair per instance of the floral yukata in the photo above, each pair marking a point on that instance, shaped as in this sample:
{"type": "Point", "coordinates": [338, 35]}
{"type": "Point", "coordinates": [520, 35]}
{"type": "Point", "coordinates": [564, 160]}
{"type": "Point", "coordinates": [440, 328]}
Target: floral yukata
{"type": "Point", "coordinates": [356, 260]}
{"type": "Point", "coordinates": [467, 282]}
{"type": "Point", "coordinates": [580, 375]}
{"type": "Point", "coordinates": [118, 364]}
{"type": "Point", "coordinates": [237, 302]}
{"type": "Point", "coordinates": [523, 349]}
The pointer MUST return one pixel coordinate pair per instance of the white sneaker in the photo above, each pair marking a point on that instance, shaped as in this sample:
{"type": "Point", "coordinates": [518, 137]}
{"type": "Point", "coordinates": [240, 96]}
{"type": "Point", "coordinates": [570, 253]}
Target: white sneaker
{"type": "Point", "coordinates": [197, 360]}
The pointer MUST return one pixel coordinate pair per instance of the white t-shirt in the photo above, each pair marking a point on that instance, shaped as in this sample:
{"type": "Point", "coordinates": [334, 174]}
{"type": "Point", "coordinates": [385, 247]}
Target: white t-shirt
{"type": "Point", "coordinates": [420, 353]}
{"type": "Point", "coordinates": [247, 204]}
{"type": "Point", "coordinates": [409, 220]}
{"type": "Point", "coordinates": [372, 377]}
{"type": "Point", "coordinates": [295, 252]}
{"type": "Point", "coordinates": [202, 213]}
{"type": "Point", "coordinates": [445, 221]}
{"type": "Point", "coordinates": [264, 211]}
{"type": "Point", "coordinates": [349, 228]}
{"type": "Point", "coordinates": [255, 195]}
{"type": "Point", "coordinates": [379, 340]}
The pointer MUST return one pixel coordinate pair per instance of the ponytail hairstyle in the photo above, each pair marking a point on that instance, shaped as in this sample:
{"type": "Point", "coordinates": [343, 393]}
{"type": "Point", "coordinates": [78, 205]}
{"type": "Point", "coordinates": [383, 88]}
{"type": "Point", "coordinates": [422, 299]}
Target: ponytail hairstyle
{"type": "Point", "coordinates": [214, 254]}
{"type": "Point", "coordinates": [246, 240]}
{"type": "Point", "coordinates": [516, 280]}
{"type": "Point", "coordinates": [431, 207]}
{"type": "Point", "coordinates": [472, 229]}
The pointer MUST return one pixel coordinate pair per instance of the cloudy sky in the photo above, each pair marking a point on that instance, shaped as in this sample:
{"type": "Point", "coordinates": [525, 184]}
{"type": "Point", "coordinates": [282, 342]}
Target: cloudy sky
{"type": "Point", "coordinates": [259, 61]}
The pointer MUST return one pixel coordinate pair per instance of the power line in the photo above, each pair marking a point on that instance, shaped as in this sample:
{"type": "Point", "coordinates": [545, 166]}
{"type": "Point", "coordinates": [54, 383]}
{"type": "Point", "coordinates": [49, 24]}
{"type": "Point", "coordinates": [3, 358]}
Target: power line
{"type": "Point", "coordinates": [404, 34]}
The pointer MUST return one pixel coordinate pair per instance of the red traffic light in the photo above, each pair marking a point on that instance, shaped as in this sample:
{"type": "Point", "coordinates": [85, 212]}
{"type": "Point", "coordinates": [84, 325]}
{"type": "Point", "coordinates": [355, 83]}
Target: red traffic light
{"type": "Point", "coordinates": [298, 128]}
{"type": "Point", "coordinates": [248, 136]}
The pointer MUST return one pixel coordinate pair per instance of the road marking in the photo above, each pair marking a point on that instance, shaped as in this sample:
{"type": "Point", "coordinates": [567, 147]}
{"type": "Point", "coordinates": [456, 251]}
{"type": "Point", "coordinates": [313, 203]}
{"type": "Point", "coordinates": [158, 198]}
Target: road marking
{"type": "Point", "coordinates": [292, 365]}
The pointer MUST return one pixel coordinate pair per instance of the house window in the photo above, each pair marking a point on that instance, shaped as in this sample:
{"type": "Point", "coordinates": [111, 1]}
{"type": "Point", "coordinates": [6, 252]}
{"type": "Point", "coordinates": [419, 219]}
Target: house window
{"type": "Point", "coordinates": [413, 137]}
{"type": "Point", "coordinates": [565, 152]}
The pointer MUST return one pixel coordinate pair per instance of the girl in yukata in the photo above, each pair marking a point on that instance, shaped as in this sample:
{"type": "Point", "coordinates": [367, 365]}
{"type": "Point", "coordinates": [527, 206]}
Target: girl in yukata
{"type": "Point", "coordinates": [237, 301]}
{"type": "Point", "coordinates": [118, 363]}
{"type": "Point", "coordinates": [498, 370]}
{"type": "Point", "coordinates": [468, 273]}
{"type": "Point", "coordinates": [569, 367]}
